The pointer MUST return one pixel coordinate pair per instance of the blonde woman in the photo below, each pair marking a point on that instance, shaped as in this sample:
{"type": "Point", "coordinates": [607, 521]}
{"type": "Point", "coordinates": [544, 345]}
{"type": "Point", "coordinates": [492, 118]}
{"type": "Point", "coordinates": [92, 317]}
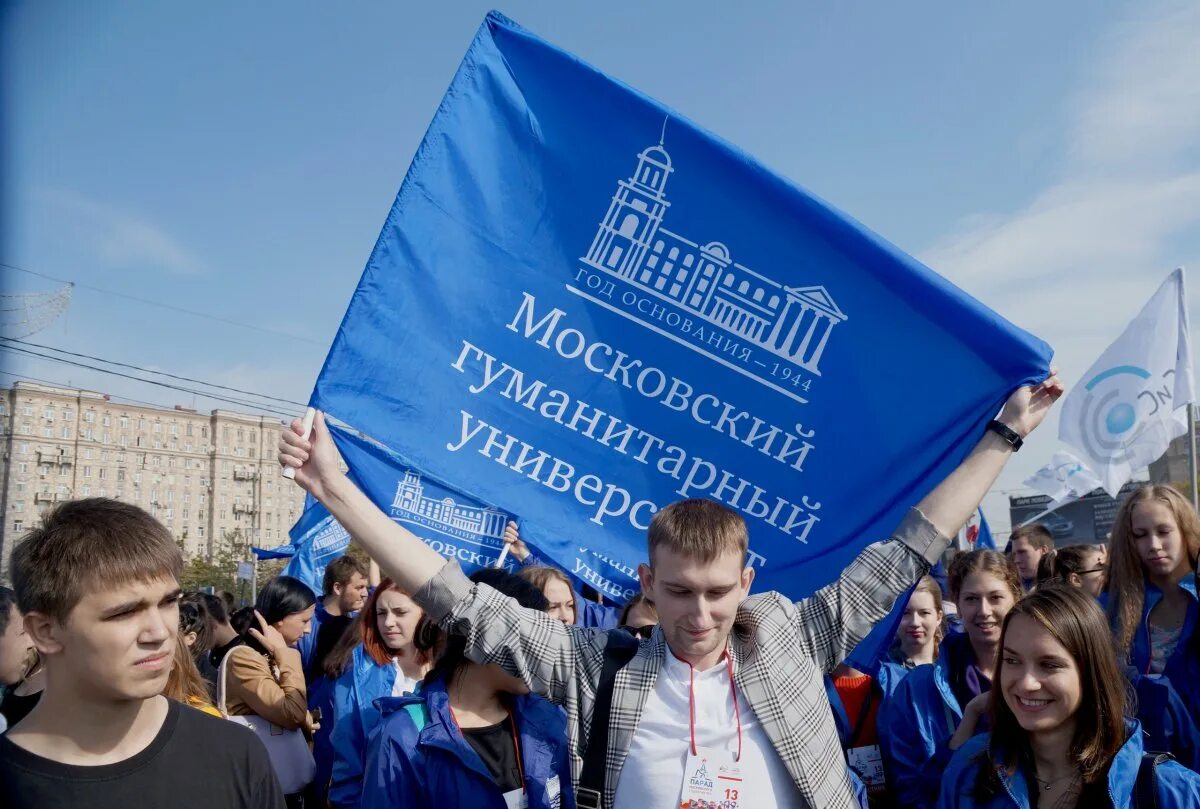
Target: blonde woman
{"type": "Point", "coordinates": [1151, 596]}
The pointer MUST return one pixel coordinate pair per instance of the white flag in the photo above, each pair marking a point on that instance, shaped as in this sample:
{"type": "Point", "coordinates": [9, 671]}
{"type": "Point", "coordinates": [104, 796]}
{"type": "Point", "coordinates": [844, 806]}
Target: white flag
{"type": "Point", "coordinates": [1132, 401]}
{"type": "Point", "coordinates": [1064, 478]}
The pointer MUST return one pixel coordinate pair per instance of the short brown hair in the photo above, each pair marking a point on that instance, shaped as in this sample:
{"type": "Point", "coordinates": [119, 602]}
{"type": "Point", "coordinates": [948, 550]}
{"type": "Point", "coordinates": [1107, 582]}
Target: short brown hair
{"type": "Point", "coordinates": [700, 529]}
{"type": "Point", "coordinates": [89, 544]}
{"type": "Point", "coordinates": [983, 561]}
{"type": "Point", "coordinates": [341, 571]}
{"type": "Point", "coordinates": [1039, 536]}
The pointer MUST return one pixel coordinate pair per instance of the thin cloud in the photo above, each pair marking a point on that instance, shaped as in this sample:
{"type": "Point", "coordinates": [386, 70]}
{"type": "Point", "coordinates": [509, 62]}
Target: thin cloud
{"type": "Point", "coordinates": [1077, 261]}
{"type": "Point", "coordinates": [121, 238]}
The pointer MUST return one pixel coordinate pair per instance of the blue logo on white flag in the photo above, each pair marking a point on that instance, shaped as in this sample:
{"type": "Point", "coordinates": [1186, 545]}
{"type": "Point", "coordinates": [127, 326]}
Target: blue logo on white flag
{"type": "Point", "coordinates": [577, 314]}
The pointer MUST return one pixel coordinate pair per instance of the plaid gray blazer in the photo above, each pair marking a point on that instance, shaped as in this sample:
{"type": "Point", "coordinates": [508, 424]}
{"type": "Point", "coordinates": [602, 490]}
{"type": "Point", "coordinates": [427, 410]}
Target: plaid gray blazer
{"type": "Point", "coordinates": [780, 651]}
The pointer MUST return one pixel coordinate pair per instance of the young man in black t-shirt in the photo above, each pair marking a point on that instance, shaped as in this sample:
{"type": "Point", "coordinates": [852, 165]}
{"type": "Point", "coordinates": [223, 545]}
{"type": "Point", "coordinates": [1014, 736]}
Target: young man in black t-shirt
{"type": "Point", "coordinates": [98, 584]}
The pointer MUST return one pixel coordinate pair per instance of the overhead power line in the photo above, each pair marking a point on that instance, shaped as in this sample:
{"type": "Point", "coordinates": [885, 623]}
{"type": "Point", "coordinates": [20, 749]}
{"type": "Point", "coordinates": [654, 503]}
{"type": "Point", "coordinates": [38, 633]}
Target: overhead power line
{"type": "Point", "coordinates": [152, 371]}
{"type": "Point", "coordinates": [52, 383]}
{"type": "Point", "coordinates": [242, 402]}
{"type": "Point", "coordinates": [162, 305]}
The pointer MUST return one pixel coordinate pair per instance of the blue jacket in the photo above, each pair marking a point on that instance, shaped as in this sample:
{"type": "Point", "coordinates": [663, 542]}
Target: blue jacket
{"type": "Point", "coordinates": [1178, 787]}
{"type": "Point", "coordinates": [419, 759]}
{"type": "Point", "coordinates": [307, 645]}
{"type": "Point", "coordinates": [914, 733]}
{"type": "Point", "coordinates": [1168, 726]}
{"type": "Point", "coordinates": [1139, 652]}
{"type": "Point", "coordinates": [354, 694]}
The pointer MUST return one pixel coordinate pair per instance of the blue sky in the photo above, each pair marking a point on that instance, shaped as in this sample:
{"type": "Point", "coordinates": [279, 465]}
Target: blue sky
{"type": "Point", "coordinates": [1043, 156]}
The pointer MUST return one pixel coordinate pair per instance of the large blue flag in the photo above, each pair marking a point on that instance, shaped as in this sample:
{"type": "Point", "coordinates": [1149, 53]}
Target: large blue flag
{"type": "Point", "coordinates": [582, 307]}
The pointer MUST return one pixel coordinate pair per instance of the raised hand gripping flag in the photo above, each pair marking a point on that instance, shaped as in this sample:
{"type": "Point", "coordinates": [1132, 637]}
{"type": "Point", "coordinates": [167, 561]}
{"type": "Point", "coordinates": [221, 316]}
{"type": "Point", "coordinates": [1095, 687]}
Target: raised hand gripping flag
{"type": "Point", "coordinates": [583, 307]}
{"type": "Point", "coordinates": [1132, 401]}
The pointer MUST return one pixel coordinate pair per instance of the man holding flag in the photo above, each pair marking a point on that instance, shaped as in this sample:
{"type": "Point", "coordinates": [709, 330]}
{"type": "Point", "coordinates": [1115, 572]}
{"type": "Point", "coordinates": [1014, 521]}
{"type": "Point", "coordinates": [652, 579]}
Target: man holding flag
{"type": "Point", "coordinates": [758, 661]}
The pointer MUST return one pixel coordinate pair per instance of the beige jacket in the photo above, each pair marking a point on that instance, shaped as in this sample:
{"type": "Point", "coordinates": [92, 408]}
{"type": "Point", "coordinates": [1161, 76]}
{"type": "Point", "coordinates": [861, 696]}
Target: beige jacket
{"type": "Point", "coordinates": [277, 692]}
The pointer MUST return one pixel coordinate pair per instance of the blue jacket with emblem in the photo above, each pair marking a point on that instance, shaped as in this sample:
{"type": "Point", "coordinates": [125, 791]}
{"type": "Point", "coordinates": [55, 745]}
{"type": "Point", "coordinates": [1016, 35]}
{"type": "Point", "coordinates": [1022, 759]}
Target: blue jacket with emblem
{"type": "Point", "coordinates": [915, 727]}
{"type": "Point", "coordinates": [1178, 786]}
{"type": "Point", "coordinates": [420, 760]}
{"type": "Point", "coordinates": [356, 716]}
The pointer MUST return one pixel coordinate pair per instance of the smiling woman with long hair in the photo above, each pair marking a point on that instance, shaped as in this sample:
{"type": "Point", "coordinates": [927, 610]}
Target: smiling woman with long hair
{"type": "Point", "coordinates": [936, 708]}
{"type": "Point", "coordinates": [1060, 734]}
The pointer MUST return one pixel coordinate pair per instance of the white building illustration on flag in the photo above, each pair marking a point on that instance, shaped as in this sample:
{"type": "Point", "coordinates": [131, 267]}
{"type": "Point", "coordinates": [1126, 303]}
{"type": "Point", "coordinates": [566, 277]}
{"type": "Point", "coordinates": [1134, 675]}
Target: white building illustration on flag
{"type": "Point", "coordinates": [445, 515]}
{"type": "Point", "coordinates": [793, 323]}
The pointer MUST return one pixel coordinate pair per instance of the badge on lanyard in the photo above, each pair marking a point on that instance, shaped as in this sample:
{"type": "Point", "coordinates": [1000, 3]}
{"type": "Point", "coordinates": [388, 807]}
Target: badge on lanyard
{"type": "Point", "coordinates": [712, 779]}
{"type": "Point", "coordinates": [516, 799]}
{"type": "Point", "coordinates": [868, 763]}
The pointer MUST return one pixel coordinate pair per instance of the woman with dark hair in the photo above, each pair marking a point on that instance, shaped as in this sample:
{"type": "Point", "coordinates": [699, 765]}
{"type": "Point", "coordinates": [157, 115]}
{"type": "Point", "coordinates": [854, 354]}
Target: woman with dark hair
{"type": "Point", "coordinates": [935, 708]}
{"type": "Point", "coordinates": [1076, 565]}
{"type": "Point", "coordinates": [638, 617]}
{"type": "Point", "coordinates": [264, 677]}
{"type": "Point", "coordinates": [473, 736]}
{"type": "Point", "coordinates": [386, 653]}
{"type": "Point", "coordinates": [1060, 735]}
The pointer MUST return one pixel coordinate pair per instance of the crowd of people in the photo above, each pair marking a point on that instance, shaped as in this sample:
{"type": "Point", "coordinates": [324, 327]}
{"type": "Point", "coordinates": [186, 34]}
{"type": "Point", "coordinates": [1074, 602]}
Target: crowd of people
{"type": "Point", "coordinates": [1041, 677]}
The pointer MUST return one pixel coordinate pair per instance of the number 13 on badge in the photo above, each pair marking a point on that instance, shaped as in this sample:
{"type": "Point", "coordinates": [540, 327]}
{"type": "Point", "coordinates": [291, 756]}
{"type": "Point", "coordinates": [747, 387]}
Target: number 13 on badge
{"type": "Point", "coordinates": [712, 779]}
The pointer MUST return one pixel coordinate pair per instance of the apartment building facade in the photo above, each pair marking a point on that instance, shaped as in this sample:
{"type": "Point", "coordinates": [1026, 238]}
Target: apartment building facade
{"type": "Point", "coordinates": [204, 476]}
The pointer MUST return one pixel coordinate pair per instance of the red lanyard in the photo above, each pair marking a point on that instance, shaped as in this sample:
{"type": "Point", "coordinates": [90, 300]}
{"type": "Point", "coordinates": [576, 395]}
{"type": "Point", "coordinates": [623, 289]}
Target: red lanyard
{"type": "Point", "coordinates": [512, 725]}
{"type": "Point", "coordinates": [737, 711]}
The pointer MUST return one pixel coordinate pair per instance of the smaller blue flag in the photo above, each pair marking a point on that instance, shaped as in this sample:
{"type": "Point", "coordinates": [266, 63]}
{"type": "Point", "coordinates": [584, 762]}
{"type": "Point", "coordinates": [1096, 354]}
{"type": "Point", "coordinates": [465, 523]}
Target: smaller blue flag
{"type": "Point", "coordinates": [317, 539]}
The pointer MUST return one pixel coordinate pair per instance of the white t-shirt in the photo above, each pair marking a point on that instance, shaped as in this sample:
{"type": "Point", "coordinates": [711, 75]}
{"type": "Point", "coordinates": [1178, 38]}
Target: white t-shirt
{"type": "Point", "coordinates": [404, 684]}
{"type": "Point", "coordinates": [652, 776]}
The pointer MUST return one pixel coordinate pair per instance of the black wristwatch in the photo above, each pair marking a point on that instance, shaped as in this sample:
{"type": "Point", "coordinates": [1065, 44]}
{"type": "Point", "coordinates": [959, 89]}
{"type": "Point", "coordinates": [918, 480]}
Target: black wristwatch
{"type": "Point", "coordinates": [1007, 433]}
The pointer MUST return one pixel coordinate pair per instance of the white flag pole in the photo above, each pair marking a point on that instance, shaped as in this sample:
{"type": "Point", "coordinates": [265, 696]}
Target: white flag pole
{"type": "Point", "coordinates": [309, 416]}
{"type": "Point", "coordinates": [1191, 417]}
{"type": "Point", "coordinates": [503, 555]}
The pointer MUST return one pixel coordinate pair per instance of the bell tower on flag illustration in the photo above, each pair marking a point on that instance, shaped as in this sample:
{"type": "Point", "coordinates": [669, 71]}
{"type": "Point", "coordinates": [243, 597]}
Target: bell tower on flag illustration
{"type": "Point", "coordinates": [636, 211]}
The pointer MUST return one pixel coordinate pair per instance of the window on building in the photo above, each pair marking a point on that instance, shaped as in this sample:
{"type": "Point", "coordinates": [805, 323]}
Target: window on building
{"type": "Point", "coordinates": [102, 473]}
{"type": "Point", "coordinates": [27, 410]}
{"type": "Point", "coordinates": [87, 490]}
{"type": "Point", "coordinates": [63, 471]}
{"type": "Point", "coordinates": [47, 432]}
{"type": "Point", "coordinates": [174, 429]}
{"type": "Point", "coordinates": [48, 414]}
{"type": "Point", "coordinates": [18, 525]}
{"type": "Point", "coordinates": [68, 414]}
{"type": "Point", "coordinates": [18, 507]}
{"type": "Point", "coordinates": [87, 453]}
{"type": "Point", "coordinates": [87, 471]}
{"type": "Point", "coordinates": [44, 469]}
{"type": "Point", "coordinates": [90, 417]}
{"type": "Point", "coordinates": [200, 531]}
{"type": "Point", "coordinates": [24, 447]}
{"type": "Point", "coordinates": [204, 432]}
{"type": "Point", "coordinates": [106, 421]}
{"type": "Point", "coordinates": [26, 429]}
{"type": "Point", "coordinates": [157, 427]}
{"type": "Point", "coordinates": [66, 431]}
{"type": "Point", "coordinates": [22, 467]}
{"type": "Point", "coordinates": [124, 422]}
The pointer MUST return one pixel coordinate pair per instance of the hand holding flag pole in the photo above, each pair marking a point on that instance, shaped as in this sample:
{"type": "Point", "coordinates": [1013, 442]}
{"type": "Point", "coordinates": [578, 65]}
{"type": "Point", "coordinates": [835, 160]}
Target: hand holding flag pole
{"type": "Point", "coordinates": [309, 415]}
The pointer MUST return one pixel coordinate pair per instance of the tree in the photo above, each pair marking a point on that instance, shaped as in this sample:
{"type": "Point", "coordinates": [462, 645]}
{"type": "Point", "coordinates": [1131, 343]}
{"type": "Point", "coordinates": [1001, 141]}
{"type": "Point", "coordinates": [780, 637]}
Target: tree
{"type": "Point", "coordinates": [219, 569]}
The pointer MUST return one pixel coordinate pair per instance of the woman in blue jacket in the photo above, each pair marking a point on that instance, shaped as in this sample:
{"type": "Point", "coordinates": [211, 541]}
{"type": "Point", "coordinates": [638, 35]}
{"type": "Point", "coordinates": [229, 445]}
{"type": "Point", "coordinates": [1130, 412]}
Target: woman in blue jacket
{"type": "Point", "coordinates": [385, 653]}
{"type": "Point", "coordinates": [473, 736]}
{"type": "Point", "coordinates": [1060, 734]}
{"type": "Point", "coordinates": [934, 703]}
{"type": "Point", "coordinates": [1151, 596]}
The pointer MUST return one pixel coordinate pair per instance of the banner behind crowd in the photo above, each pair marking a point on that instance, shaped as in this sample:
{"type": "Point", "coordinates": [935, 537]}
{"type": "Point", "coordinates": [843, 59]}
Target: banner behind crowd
{"type": "Point", "coordinates": [582, 307]}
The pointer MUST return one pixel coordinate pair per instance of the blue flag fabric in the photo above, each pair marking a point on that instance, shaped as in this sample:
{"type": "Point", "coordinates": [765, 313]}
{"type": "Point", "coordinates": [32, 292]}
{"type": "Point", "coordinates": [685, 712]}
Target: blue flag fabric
{"type": "Point", "coordinates": [985, 540]}
{"type": "Point", "coordinates": [583, 307]}
{"type": "Point", "coordinates": [317, 539]}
